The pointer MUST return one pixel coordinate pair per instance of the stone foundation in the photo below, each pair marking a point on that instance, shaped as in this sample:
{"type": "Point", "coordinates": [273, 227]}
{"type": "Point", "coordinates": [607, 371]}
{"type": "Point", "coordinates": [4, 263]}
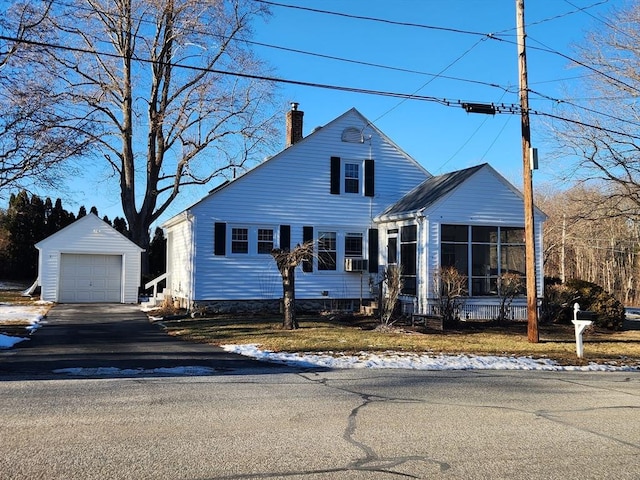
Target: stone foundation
{"type": "Point", "coordinates": [212, 307]}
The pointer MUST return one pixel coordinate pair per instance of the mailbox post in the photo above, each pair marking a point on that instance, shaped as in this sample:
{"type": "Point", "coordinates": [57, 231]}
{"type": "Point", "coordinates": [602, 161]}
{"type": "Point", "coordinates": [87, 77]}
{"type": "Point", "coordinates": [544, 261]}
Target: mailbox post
{"type": "Point", "coordinates": [580, 325]}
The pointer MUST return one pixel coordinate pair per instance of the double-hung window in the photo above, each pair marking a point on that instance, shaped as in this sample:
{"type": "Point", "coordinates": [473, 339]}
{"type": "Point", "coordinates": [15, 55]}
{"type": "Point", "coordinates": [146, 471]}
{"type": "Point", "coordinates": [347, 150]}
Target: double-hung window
{"type": "Point", "coordinates": [351, 177]}
{"type": "Point", "coordinates": [265, 240]}
{"type": "Point", "coordinates": [409, 258]}
{"type": "Point", "coordinates": [392, 246]}
{"type": "Point", "coordinates": [353, 245]}
{"type": "Point", "coordinates": [239, 240]}
{"type": "Point", "coordinates": [327, 251]}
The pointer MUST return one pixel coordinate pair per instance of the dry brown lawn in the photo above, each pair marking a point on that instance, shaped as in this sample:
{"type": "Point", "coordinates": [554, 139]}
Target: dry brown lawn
{"type": "Point", "coordinates": [356, 334]}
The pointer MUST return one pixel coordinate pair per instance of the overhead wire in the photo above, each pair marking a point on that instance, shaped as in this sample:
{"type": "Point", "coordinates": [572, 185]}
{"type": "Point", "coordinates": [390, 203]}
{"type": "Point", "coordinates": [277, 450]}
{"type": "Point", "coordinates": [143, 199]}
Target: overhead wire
{"type": "Point", "coordinates": [326, 56]}
{"type": "Point", "coordinates": [493, 36]}
{"type": "Point", "coordinates": [504, 108]}
{"type": "Point", "coordinates": [498, 108]}
{"type": "Point", "coordinates": [374, 19]}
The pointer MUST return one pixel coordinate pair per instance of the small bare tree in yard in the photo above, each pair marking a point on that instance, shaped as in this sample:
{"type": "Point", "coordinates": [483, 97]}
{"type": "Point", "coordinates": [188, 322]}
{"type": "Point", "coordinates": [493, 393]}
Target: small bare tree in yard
{"type": "Point", "coordinates": [509, 285]}
{"type": "Point", "coordinates": [452, 288]}
{"type": "Point", "coordinates": [287, 262]}
{"type": "Point", "coordinates": [392, 281]}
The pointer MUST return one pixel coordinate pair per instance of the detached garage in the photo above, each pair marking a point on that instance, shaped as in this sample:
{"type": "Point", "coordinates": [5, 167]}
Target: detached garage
{"type": "Point", "coordinates": [89, 262]}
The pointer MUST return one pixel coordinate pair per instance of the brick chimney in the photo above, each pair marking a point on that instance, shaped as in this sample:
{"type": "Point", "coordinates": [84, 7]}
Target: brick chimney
{"type": "Point", "coordinates": [294, 125]}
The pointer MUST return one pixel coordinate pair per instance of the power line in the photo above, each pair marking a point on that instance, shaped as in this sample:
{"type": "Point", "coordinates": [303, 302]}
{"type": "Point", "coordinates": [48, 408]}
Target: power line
{"type": "Point", "coordinates": [319, 55]}
{"type": "Point", "coordinates": [502, 108]}
{"type": "Point", "coordinates": [496, 108]}
{"type": "Point", "coordinates": [380, 20]}
{"type": "Point", "coordinates": [590, 110]}
{"type": "Point", "coordinates": [493, 36]}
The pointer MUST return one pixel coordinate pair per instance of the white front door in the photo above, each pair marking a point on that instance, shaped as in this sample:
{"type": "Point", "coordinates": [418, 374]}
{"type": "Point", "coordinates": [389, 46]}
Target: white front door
{"type": "Point", "coordinates": [90, 278]}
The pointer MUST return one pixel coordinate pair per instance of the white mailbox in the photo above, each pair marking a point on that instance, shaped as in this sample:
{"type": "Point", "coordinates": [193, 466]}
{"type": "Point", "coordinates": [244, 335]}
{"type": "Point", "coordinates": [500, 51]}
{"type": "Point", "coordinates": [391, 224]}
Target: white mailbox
{"type": "Point", "coordinates": [580, 325]}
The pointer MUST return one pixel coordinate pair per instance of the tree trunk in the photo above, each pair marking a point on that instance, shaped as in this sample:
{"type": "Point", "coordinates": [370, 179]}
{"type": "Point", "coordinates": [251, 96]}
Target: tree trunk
{"type": "Point", "coordinates": [289, 321]}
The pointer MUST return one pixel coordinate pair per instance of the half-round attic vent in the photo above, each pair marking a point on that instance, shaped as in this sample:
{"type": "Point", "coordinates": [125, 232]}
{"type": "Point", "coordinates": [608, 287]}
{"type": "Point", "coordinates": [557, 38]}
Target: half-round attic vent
{"type": "Point", "coordinates": [351, 135]}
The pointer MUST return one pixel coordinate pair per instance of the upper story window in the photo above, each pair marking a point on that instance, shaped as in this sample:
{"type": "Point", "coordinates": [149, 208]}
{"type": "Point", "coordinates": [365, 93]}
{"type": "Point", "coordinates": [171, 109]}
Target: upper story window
{"type": "Point", "coordinates": [351, 178]}
{"type": "Point", "coordinates": [239, 240]}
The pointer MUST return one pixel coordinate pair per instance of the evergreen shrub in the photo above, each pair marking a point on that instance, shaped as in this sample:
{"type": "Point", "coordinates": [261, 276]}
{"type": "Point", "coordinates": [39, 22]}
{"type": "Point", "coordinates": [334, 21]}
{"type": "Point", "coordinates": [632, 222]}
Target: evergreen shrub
{"type": "Point", "coordinates": [559, 300]}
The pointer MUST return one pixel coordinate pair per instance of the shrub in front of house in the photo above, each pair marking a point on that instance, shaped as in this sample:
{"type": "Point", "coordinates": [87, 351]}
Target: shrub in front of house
{"type": "Point", "coordinates": [559, 300]}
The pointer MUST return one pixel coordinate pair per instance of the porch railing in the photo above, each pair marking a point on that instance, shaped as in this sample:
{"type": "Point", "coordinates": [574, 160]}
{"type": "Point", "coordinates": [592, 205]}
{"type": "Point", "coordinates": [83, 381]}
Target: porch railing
{"type": "Point", "coordinates": [154, 283]}
{"type": "Point", "coordinates": [472, 309]}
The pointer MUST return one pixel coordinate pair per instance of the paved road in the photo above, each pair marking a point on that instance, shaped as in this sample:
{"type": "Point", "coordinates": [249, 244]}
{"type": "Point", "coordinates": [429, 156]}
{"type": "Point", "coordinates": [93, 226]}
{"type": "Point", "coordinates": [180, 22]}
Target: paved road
{"type": "Point", "coordinates": [277, 423]}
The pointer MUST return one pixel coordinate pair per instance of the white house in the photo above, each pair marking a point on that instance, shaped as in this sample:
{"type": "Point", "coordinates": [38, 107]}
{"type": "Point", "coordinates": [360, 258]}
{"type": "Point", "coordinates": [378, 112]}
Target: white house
{"type": "Point", "coordinates": [365, 203]}
{"type": "Point", "coordinates": [89, 262]}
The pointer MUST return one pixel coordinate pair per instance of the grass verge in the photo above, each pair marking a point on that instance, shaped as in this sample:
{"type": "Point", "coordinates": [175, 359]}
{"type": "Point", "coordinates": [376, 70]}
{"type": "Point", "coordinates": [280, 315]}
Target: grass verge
{"type": "Point", "coordinates": [356, 334]}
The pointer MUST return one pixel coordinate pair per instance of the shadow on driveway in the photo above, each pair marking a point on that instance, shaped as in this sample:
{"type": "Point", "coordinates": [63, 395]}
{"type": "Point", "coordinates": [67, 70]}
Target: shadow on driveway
{"type": "Point", "coordinates": [114, 340]}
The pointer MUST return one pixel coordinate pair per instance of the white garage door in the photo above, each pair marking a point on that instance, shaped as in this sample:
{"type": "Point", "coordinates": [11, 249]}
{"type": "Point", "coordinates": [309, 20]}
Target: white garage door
{"type": "Point", "coordinates": [90, 278]}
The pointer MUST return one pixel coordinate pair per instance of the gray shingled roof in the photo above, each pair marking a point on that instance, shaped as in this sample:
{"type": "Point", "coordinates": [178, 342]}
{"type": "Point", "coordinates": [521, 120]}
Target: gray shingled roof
{"type": "Point", "coordinates": [430, 191]}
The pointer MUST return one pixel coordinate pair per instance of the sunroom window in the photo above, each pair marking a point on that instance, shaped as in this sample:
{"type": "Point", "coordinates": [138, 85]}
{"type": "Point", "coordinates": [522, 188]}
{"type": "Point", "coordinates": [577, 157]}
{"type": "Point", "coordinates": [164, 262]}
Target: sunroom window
{"type": "Point", "coordinates": [483, 253]}
{"type": "Point", "coordinates": [408, 258]}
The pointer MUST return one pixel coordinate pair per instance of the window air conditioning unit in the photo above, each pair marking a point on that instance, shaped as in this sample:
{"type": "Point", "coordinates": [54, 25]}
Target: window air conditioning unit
{"type": "Point", "coordinates": [355, 264]}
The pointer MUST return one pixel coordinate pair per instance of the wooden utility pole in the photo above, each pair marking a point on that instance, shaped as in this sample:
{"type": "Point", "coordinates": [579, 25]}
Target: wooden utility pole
{"type": "Point", "coordinates": [529, 225]}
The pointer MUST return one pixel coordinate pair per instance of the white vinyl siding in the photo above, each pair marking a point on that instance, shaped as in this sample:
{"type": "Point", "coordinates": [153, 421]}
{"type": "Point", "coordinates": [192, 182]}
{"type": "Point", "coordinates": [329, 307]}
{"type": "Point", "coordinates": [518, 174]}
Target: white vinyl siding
{"type": "Point", "coordinates": [262, 199]}
{"type": "Point", "coordinates": [179, 248]}
{"type": "Point", "coordinates": [93, 240]}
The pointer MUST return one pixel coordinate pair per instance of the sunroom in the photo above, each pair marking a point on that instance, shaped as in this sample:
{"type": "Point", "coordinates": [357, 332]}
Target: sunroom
{"type": "Point", "coordinates": [451, 222]}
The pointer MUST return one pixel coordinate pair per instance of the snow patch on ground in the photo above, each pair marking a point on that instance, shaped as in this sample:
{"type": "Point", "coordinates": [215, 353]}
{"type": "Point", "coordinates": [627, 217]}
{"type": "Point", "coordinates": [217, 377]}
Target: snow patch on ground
{"type": "Point", "coordinates": [414, 361]}
{"type": "Point", "coordinates": [31, 316]}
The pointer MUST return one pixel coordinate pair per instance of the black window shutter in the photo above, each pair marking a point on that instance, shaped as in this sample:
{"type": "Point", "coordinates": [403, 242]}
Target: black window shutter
{"type": "Point", "coordinates": [220, 238]}
{"type": "Point", "coordinates": [335, 175]}
{"type": "Point", "coordinates": [373, 250]}
{"type": "Point", "coordinates": [307, 236]}
{"type": "Point", "coordinates": [285, 237]}
{"type": "Point", "coordinates": [369, 178]}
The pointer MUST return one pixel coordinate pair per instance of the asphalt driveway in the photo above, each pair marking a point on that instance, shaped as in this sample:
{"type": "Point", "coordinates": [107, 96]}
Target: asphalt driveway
{"type": "Point", "coordinates": [112, 337]}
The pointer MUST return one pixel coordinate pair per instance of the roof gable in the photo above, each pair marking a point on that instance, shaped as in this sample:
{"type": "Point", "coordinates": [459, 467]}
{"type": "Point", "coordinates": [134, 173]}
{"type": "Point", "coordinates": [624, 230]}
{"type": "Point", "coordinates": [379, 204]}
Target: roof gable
{"type": "Point", "coordinates": [89, 228]}
{"type": "Point", "coordinates": [316, 140]}
{"type": "Point", "coordinates": [432, 194]}
{"type": "Point", "coordinates": [430, 191]}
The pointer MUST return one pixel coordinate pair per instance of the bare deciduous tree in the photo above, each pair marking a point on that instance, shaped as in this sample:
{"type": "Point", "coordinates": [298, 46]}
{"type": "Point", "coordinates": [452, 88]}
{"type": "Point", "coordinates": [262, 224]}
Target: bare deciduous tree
{"type": "Point", "coordinates": [287, 262]}
{"type": "Point", "coordinates": [579, 245]}
{"type": "Point", "coordinates": [36, 137]}
{"type": "Point", "coordinates": [392, 283]}
{"type": "Point", "coordinates": [154, 75]}
{"type": "Point", "coordinates": [599, 141]}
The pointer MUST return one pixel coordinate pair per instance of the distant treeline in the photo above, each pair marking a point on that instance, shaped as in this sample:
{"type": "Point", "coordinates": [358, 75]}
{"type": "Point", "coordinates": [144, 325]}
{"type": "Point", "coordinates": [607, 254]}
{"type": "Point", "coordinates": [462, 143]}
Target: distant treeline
{"type": "Point", "coordinates": [29, 219]}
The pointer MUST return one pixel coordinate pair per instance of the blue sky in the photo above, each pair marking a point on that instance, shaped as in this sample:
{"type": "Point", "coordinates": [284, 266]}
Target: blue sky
{"type": "Point", "coordinates": [461, 63]}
